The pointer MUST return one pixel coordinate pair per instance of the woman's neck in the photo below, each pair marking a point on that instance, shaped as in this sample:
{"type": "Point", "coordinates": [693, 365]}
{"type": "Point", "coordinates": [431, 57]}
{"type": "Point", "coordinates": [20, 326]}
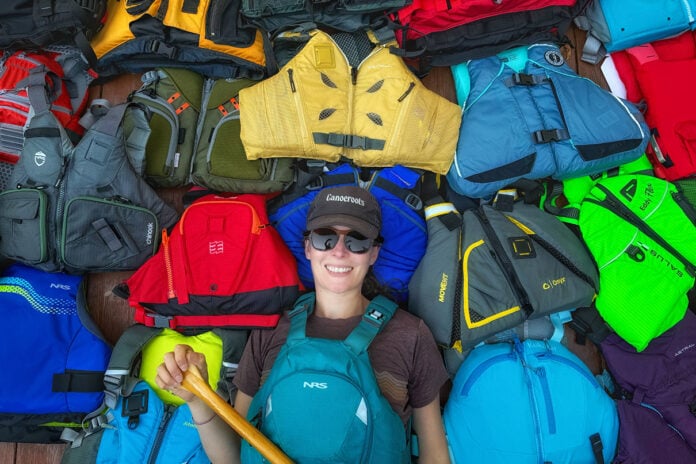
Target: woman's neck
{"type": "Point", "coordinates": [339, 306]}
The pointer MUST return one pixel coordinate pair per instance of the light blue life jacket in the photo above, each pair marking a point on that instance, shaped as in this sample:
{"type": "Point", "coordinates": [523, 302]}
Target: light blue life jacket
{"type": "Point", "coordinates": [527, 114]}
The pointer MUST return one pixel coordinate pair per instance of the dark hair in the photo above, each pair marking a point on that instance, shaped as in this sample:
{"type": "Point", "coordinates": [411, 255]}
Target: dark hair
{"type": "Point", "coordinates": [371, 287]}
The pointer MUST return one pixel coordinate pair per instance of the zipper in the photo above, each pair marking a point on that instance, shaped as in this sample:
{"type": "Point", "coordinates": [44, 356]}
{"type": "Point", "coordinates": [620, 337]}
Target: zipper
{"type": "Point", "coordinates": [613, 204]}
{"type": "Point", "coordinates": [503, 262]}
{"type": "Point", "coordinates": [689, 12]}
{"type": "Point", "coordinates": [169, 114]}
{"type": "Point", "coordinates": [208, 85]}
{"type": "Point", "coordinates": [298, 104]}
{"type": "Point", "coordinates": [519, 350]}
{"type": "Point", "coordinates": [256, 225]}
{"type": "Point", "coordinates": [171, 293]}
{"type": "Point", "coordinates": [354, 77]}
{"type": "Point", "coordinates": [546, 391]}
{"type": "Point", "coordinates": [161, 430]}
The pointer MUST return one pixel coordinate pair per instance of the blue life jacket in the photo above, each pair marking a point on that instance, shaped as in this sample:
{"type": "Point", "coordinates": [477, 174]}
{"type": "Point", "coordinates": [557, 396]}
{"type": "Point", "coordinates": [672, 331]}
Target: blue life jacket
{"type": "Point", "coordinates": [403, 224]}
{"type": "Point", "coordinates": [321, 402]}
{"type": "Point", "coordinates": [527, 114]}
{"type": "Point", "coordinates": [54, 356]}
{"type": "Point", "coordinates": [529, 402]}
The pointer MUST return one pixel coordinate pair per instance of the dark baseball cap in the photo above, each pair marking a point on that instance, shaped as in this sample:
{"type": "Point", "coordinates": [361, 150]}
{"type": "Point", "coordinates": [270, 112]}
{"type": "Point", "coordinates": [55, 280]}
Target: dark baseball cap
{"type": "Point", "coordinates": [347, 206]}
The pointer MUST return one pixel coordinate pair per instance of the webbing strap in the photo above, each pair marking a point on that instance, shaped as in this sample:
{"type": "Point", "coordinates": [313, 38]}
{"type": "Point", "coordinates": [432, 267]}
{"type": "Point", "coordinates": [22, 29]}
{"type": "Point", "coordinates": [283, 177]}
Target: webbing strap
{"type": "Point", "coordinates": [83, 382]}
{"type": "Point", "coordinates": [250, 321]}
{"type": "Point", "coordinates": [107, 234]}
{"type": "Point", "coordinates": [348, 141]}
{"type": "Point", "coordinates": [377, 314]}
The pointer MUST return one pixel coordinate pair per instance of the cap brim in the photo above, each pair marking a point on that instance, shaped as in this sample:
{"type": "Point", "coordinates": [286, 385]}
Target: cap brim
{"type": "Point", "coordinates": [356, 224]}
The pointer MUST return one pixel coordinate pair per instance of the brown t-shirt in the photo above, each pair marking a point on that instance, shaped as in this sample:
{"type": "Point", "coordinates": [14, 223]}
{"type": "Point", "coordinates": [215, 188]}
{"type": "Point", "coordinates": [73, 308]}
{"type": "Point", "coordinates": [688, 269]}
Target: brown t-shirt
{"type": "Point", "coordinates": [404, 357]}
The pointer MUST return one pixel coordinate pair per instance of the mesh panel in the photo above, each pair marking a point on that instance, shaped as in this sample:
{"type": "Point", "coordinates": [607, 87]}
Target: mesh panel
{"type": "Point", "coordinates": [355, 46]}
{"type": "Point", "coordinates": [5, 174]}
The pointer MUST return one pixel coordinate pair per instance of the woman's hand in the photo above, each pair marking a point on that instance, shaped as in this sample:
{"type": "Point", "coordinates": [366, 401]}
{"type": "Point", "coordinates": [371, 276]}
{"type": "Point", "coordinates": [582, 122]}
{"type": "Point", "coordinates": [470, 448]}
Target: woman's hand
{"type": "Point", "coordinates": [171, 372]}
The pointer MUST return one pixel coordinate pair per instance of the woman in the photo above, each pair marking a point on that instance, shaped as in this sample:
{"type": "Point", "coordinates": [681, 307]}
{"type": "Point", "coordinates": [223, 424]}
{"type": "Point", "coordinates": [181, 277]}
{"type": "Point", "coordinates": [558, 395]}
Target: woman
{"type": "Point", "coordinates": [341, 243]}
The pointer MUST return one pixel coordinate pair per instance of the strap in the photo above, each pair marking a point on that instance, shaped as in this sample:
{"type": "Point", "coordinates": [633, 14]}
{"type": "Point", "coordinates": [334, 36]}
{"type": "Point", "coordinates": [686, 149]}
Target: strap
{"type": "Point", "coordinates": [596, 443]}
{"type": "Point", "coordinates": [107, 234]}
{"type": "Point", "coordinates": [593, 51]}
{"type": "Point", "coordinates": [304, 306]}
{"type": "Point", "coordinates": [613, 204]}
{"type": "Point", "coordinates": [249, 321]}
{"type": "Point", "coordinates": [83, 381]}
{"type": "Point", "coordinates": [404, 194]}
{"type": "Point", "coordinates": [377, 314]}
{"type": "Point", "coordinates": [348, 141]}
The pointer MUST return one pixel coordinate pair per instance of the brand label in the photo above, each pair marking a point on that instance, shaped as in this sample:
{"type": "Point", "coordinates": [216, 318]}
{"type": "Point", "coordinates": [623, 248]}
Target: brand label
{"type": "Point", "coordinates": [319, 385]}
{"type": "Point", "coordinates": [39, 158]}
{"type": "Point", "coordinates": [345, 199]}
{"type": "Point", "coordinates": [216, 247]}
{"type": "Point", "coordinates": [149, 233]}
{"type": "Point", "coordinates": [60, 286]}
{"type": "Point", "coordinates": [549, 284]}
{"type": "Point", "coordinates": [443, 288]}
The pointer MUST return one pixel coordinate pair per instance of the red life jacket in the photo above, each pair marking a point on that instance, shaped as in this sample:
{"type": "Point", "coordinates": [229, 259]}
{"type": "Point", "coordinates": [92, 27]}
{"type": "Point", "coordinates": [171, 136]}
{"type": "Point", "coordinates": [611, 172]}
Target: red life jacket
{"type": "Point", "coordinates": [222, 265]}
{"type": "Point", "coordinates": [661, 74]}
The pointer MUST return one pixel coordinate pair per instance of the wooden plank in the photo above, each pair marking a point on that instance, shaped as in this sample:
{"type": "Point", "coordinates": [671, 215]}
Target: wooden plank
{"type": "Point", "coordinates": [31, 453]}
{"type": "Point", "coordinates": [8, 452]}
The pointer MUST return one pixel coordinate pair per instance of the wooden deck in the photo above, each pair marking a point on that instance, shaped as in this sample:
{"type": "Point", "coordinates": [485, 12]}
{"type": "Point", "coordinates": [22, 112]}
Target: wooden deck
{"type": "Point", "coordinates": [113, 315]}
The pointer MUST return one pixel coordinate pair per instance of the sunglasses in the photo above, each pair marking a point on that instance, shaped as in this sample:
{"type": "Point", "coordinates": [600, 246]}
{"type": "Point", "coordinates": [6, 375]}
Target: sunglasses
{"type": "Point", "coordinates": [325, 239]}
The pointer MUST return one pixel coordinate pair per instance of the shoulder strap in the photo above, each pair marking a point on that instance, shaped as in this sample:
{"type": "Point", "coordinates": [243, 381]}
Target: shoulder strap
{"type": "Point", "coordinates": [298, 316]}
{"type": "Point", "coordinates": [378, 313]}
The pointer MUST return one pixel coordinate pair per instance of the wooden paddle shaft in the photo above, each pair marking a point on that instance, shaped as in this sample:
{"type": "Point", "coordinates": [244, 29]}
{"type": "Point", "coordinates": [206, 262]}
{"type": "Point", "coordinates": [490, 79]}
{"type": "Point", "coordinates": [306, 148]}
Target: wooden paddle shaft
{"type": "Point", "coordinates": [194, 383]}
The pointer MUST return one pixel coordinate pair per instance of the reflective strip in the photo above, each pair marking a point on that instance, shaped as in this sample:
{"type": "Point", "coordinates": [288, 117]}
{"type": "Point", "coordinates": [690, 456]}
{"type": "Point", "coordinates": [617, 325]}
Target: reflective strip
{"type": "Point", "coordinates": [361, 413]}
{"type": "Point", "coordinates": [439, 209]}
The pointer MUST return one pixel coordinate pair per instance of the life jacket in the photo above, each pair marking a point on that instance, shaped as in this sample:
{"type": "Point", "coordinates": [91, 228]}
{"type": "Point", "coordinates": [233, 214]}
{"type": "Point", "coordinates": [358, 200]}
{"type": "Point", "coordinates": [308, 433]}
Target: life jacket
{"type": "Point", "coordinates": [397, 190]}
{"type": "Point", "coordinates": [201, 35]}
{"type": "Point", "coordinates": [447, 32]}
{"type": "Point", "coordinates": [324, 104]}
{"type": "Point", "coordinates": [82, 207]}
{"type": "Point", "coordinates": [222, 265]}
{"type": "Point", "coordinates": [610, 27]}
{"type": "Point", "coordinates": [54, 357]}
{"type": "Point", "coordinates": [37, 24]}
{"type": "Point", "coordinates": [140, 422]}
{"type": "Point", "coordinates": [527, 114]}
{"type": "Point", "coordinates": [344, 15]}
{"type": "Point", "coordinates": [661, 74]}
{"type": "Point", "coordinates": [328, 386]}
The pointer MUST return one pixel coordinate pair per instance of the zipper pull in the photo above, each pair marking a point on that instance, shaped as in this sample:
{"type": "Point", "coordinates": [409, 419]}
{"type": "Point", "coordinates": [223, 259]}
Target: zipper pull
{"type": "Point", "coordinates": [354, 75]}
{"type": "Point", "coordinates": [292, 82]}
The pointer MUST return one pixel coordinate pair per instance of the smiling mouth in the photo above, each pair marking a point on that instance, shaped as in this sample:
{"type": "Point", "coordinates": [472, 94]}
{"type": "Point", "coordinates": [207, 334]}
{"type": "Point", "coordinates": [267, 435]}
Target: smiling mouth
{"type": "Point", "coordinates": [338, 269]}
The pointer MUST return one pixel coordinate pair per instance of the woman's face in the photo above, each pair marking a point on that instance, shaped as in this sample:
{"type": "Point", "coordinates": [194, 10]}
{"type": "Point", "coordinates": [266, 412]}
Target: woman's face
{"type": "Point", "coordinates": [338, 270]}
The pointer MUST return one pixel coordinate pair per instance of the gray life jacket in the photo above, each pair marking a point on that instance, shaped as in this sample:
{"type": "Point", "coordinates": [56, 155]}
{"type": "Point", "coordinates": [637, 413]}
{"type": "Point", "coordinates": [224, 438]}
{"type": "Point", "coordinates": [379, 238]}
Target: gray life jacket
{"type": "Point", "coordinates": [82, 207]}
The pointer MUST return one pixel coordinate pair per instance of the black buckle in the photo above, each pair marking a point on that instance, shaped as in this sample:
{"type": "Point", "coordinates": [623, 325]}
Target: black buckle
{"type": "Point", "coordinates": [550, 135]}
{"type": "Point", "coordinates": [133, 406]}
{"type": "Point", "coordinates": [523, 79]}
{"type": "Point", "coordinates": [316, 184]}
{"type": "Point", "coordinates": [414, 201]}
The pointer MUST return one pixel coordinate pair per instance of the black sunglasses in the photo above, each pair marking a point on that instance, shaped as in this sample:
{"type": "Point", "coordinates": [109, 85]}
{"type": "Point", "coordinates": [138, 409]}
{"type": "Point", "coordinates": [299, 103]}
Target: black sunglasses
{"type": "Point", "coordinates": [325, 238]}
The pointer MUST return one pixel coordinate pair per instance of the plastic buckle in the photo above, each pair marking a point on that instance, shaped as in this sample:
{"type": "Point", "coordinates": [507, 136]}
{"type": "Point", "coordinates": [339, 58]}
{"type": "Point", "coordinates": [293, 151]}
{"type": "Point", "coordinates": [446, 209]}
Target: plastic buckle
{"type": "Point", "coordinates": [523, 79]}
{"type": "Point", "coordinates": [161, 322]}
{"type": "Point", "coordinates": [549, 135]}
{"type": "Point", "coordinates": [414, 201]}
{"type": "Point", "coordinates": [133, 406]}
{"type": "Point", "coordinates": [316, 184]}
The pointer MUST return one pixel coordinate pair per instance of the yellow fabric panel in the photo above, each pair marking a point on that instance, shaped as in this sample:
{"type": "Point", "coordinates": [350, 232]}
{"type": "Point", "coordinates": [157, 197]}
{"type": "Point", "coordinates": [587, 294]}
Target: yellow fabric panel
{"type": "Point", "coordinates": [153, 354]}
{"type": "Point", "coordinates": [313, 93]}
{"type": "Point", "coordinates": [116, 29]}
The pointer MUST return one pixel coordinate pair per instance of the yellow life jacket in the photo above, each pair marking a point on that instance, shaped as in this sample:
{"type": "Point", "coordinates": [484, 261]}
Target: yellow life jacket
{"type": "Point", "coordinates": [377, 113]}
{"type": "Point", "coordinates": [201, 35]}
